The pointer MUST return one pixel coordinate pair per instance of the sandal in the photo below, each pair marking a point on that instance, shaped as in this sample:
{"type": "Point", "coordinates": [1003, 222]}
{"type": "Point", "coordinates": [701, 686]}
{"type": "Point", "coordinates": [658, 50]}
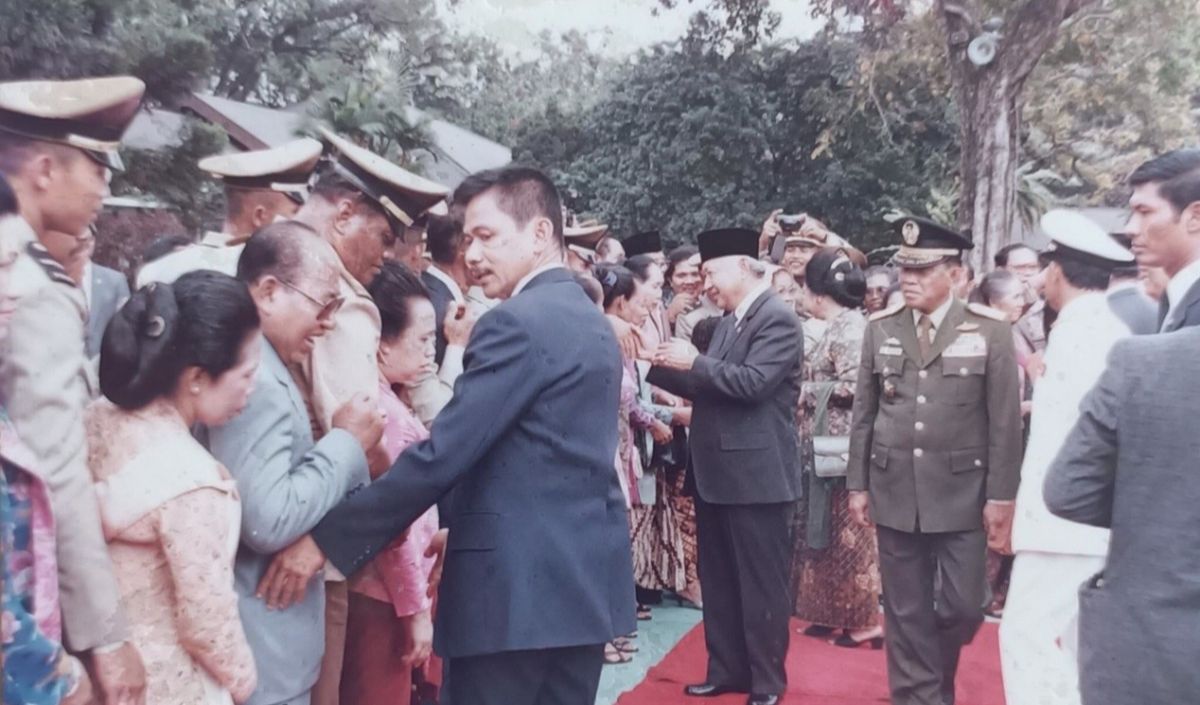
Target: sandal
{"type": "Point", "coordinates": [643, 613]}
{"type": "Point", "coordinates": [625, 645]}
{"type": "Point", "coordinates": [613, 655]}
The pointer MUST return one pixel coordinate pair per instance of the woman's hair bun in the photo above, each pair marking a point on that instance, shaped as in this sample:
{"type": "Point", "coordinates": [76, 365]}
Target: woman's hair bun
{"type": "Point", "coordinates": [832, 273]}
{"type": "Point", "coordinates": [138, 346]}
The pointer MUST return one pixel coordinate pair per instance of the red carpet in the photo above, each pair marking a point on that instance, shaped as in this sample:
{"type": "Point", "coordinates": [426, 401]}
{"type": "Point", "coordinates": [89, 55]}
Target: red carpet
{"type": "Point", "coordinates": [820, 674]}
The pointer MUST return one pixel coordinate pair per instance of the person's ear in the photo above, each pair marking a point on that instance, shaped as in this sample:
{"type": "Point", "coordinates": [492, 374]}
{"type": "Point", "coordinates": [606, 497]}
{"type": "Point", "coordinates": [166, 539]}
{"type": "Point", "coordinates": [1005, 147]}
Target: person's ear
{"type": "Point", "coordinates": [41, 170]}
{"type": "Point", "coordinates": [1191, 219]}
{"type": "Point", "coordinates": [343, 215]}
{"type": "Point", "coordinates": [264, 292]}
{"type": "Point", "coordinates": [261, 216]}
{"type": "Point", "coordinates": [543, 234]}
{"type": "Point", "coordinates": [193, 380]}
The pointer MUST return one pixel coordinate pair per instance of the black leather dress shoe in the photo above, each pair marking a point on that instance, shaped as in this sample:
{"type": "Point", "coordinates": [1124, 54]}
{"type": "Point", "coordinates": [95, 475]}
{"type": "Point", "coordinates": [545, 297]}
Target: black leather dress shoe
{"type": "Point", "coordinates": [759, 699]}
{"type": "Point", "coordinates": [708, 690]}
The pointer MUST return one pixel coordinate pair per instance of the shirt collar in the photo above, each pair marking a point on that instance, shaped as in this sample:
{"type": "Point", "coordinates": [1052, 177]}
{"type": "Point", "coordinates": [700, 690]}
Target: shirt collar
{"type": "Point", "coordinates": [213, 238]}
{"type": "Point", "coordinates": [532, 275]}
{"type": "Point", "coordinates": [740, 312]}
{"type": "Point", "coordinates": [1179, 285]}
{"type": "Point", "coordinates": [938, 315]}
{"type": "Point", "coordinates": [86, 284]}
{"type": "Point", "coordinates": [455, 289]}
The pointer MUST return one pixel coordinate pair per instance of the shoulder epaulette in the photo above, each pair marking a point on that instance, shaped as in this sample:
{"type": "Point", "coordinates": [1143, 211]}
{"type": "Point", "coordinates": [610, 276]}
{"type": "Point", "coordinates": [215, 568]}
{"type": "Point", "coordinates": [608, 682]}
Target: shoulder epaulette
{"type": "Point", "coordinates": [987, 312]}
{"type": "Point", "coordinates": [887, 312]}
{"type": "Point", "coordinates": [53, 269]}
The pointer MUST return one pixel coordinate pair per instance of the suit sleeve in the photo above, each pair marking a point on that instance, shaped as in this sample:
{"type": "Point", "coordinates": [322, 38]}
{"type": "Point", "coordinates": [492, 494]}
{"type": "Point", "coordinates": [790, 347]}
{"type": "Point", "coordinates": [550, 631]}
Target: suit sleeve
{"type": "Point", "coordinates": [775, 350]}
{"type": "Point", "coordinates": [281, 502]}
{"type": "Point", "coordinates": [677, 382]}
{"type": "Point", "coordinates": [862, 426]}
{"type": "Point", "coordinates": [1079, 483]}
{"type": "Point", "coordinates": [502, 378]}
{"type": "Point", "coordinates": [1005, 448]}
{"type": "Point", "coordinates": [42, 385]}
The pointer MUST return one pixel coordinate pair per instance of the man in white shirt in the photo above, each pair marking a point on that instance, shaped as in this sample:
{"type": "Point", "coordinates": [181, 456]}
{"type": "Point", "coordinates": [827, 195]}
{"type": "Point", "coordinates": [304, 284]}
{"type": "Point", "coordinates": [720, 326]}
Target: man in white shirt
{"type": "Point", "coordinates": [1054, 556]}
{"type": "Point", "coordinates": [1165, 227]}
{"type": "Point", "coordinates": [260, 187]}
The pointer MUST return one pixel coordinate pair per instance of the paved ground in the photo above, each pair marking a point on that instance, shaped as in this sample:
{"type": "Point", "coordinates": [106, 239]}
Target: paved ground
{"type": "Point", "coordinates": [656, 638]}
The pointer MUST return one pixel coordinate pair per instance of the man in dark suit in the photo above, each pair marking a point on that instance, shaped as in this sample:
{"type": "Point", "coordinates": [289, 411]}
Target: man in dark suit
{"type": "Point", "coordinates": [447, 277]}
{"type": "Point", "coordinates": [1165, 227]}
{"type": "Point", "coordinates": [538, 574]}
{"type": "Point", "coordinates": [935, 458]}
{"type": "Point", "coordinates": [1129, 464]}
{"type": "Point", "coordinates": [744, 466]}
{"type": "Point", "coordinates": [106, 290]}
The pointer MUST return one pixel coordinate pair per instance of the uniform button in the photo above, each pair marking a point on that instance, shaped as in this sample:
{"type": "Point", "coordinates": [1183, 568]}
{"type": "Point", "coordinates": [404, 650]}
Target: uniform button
{"type": "Point", "coordinates": [887, 370]}
{"type": "Point", "coordinates": [918, 452]}
{"type": "Point", "coordinates": [921, 399]}
{"type": "Point", "coordinates": [920, 426]}
{"type": "Point", "coordinates": [962, 371]}
{"type": "Point", "coordinates": [978, 463]}
{"type": "Point", "coordinates": [923, 374]}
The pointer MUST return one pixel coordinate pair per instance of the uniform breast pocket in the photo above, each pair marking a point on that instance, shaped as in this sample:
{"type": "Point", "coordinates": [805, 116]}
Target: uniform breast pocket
{"type": "Point", "coordinates": [966, 378]}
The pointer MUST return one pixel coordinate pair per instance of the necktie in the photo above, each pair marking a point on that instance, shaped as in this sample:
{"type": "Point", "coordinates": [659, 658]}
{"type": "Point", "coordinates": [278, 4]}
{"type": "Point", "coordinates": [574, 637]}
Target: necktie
{"type": "Point", "coordinates": [925, 336]}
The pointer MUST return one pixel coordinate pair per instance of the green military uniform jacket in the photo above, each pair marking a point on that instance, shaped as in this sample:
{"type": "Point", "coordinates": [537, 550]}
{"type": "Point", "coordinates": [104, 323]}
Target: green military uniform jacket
{"type": "Point", "coordinates": [933, 439]}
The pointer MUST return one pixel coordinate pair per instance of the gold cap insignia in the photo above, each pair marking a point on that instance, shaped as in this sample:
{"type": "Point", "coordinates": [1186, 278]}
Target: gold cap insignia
{"type": "Point", "coordinates": [910, 232]}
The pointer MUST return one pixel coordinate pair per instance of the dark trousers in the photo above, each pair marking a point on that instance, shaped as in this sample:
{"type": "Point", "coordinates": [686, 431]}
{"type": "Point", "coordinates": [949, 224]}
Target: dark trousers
{"type": "Point", "coordinates": [933, 593]}
{"type": "Point", "coordinates": [566, 676]}
{"type": "Point", "coordinates": [744, 558]}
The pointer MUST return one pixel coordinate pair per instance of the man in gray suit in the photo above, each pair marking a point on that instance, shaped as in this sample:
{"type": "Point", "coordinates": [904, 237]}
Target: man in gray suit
{"type": "Point", "coordinates": [106, 291]}
{"type": "Point", "coordinates": [1129, 465]}
{"type": "Point", "coordinates": [744, 467]}
{"type": "Point", "coordinates": [1165, 227]}
{"type": "Point", "coordinates": [286, 481]}
{"type": "Point", "coordinates": [1128, 301]}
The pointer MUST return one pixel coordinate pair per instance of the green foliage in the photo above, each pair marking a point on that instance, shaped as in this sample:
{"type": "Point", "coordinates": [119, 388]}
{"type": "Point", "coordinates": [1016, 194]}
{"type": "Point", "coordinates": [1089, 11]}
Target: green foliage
{"type": "Point", "coordinates": [367, 115]}
{"type": "Point", "coordinates": [172, 176]}
{"type": "Point", "coordinates": [686, 141]}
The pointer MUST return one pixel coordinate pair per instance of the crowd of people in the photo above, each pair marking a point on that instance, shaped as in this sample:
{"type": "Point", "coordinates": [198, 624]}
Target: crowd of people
{"type": "Point", "coordinates": [377, 442]}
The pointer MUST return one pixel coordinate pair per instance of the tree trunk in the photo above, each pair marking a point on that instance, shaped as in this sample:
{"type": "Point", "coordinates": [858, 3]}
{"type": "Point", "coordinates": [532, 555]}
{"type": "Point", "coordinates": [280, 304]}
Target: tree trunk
{"type": "Point", "coordinates": [989, 105]}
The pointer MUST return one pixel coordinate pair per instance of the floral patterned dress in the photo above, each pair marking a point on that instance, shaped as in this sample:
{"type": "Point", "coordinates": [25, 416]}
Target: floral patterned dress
{"type": "Point", "coordinates": [30, 627]}
{"type": "Point", "coordinates": [835, 586]}
{"type": "Point", "coordinates": [172, 518]}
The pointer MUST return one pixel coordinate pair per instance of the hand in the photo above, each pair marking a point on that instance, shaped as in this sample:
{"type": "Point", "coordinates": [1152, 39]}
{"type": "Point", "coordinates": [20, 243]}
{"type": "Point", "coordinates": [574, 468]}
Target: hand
{"type": "Point", "coordinates": [629, 339]}
{"type": "Point", "coordinates": [860, 508]}
{"type": "Point", "coordinates": [661, 432]}
{"type": "Point", "coordinates": [770, 229]}
{"type": "Point", "coordinates": [681, 304]}
{"type": "Point", "coordinates": [997, 520]}
{"type": "Point", "coordinates": [676, 354]}
{"type": "Point", "coordinates": [361, 419]}
{"type": "Point", "coordinates": [290, 571]}
{"type": "Point", "coordinates": [120, 676]}
{"type": "Point", "coordinates": [665, 398]}
{"type": "Point", "coordinates": [70, 666]}
{"type": "Point", "coordinates": [437, 549]}
{"type": "Point", "coordinates": [420, 638]}
{"type": "Point", "coordinates": [682, 416]}
{"type": "Point", "coordinates": [460, 321]}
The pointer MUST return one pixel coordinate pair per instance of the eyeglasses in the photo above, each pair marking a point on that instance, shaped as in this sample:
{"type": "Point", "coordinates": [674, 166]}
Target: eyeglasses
{"type": "Point", "coordinates": [327, 309]}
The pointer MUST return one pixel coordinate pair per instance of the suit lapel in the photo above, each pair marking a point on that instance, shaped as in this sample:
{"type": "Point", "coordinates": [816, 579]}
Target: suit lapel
{"type": "Point", "coordinates": [283, 376]}
{"type": "Point", "coordinates": [947, 332]}
{"type": "Point", "coordinates": [736, 329]}
{"type": "Point", "coordinates": [722, 337]}
{"type": "Point", "coordinates": [1190, 299]}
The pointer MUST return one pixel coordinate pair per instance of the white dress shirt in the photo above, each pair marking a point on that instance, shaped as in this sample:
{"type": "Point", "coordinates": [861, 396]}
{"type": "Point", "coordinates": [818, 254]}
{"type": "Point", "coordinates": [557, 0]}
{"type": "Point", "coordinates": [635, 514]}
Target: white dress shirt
{"type": "Point", "coordinates": [1076, 355]}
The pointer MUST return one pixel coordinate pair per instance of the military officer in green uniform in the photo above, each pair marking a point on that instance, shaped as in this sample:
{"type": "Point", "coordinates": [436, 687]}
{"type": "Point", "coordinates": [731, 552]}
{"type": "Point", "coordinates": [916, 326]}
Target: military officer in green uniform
{"type": "Point", "coordinates": [935, 456]}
